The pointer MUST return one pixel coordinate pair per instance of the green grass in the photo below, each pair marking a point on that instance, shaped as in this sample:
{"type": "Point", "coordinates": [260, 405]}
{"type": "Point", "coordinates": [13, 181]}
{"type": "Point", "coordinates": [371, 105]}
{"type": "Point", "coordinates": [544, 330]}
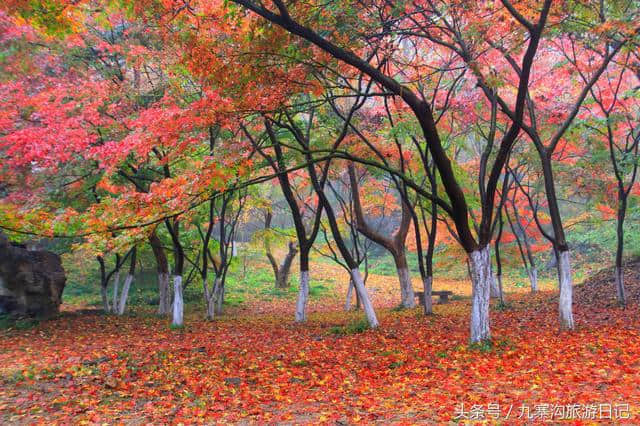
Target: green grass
{"type": "Point", "coordinates": [245, 281]}
{"type": "Point", "coordinates": [8, 322]}
{"type": "Point", "coordinates": [354, 327]}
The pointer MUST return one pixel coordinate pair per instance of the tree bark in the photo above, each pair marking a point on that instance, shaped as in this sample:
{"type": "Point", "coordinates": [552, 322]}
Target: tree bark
{"type": "Point", "coordinates": [533, 279]}
{"type": "Point", "coordinates": [219, 296]}
{"type": "Point", "coordinates": [303, 297]}
{"type": "Point", "coordinates": [116, 284]}
{"type": "Point", "coordinates": [619, 272]}
{"type": "Point", "coordinates": [364, 298]}
{"type": "Point", "coordinates": [480, 266]}
{"type": "Point", "coordinates": [566, 291]}
{"type": "Point", "coordinates": [125, 294]}
{"type": "Point", "coordinates": [103, 285]}
{"type": "Point", "coordinates": [285, 267]}
{"type": "Point", "coordinates": [127, 283]}
{"type": "Point", "coordinates": [178, 302]}
{"type": "Point", "coordinates": [427, 285]}
{"type": "Point", "coordinates": [209, 295]}
{"type": "Point", "coordinates": [495, 289]}
{"type": "Point", "coordinates": [347, 305]}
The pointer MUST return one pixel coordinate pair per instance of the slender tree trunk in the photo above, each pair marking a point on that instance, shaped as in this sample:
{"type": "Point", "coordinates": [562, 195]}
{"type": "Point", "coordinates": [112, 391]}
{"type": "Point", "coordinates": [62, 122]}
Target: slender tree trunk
{"type": "Point", "coordinates": [303, 297]}
{"type": "Point", "coordinates": [427, 285]}
{"type": "Point", "coordinates": [125, 294]}
{"type": "Point", "coordinates": [480, 266]}
{"type": "Point", "coordinates": [533, 279]}
{"type": "Point", "coordinates": [619, 274]}
{"type": "Point", "coordinates": [164, 294]}
{"type": "Point", "coordinates": [566, 290]}
{"type": "Point", "coordinates": [178, 302]}
{"type": "Point", "coordinates": [103, 285]}
{"type": "Point", "coordinates": [561, 250]}
{"type": "Point", "coordinates": [285, 267]}
{"type": "Point", "coordinates": [347, 306]}
{"type": "Point", "coordinates": [404, 278]}
{"type": "Point", "coordinates": [209, 297]}
{"type": "Point", "coordinates": [494, 289]}
{"type": "Point", "coordinates": [364, 298]}
{"type": "Point", "coordinates": [498, 276]}
{"type": "Point", "coordinates": [219, 297]}
{"type": "Point", "coordinates": [116, 284]}
{"type": "Point", "coordinates": [127, 283]}
{"type": "Point", "coordinates": [105, 299]}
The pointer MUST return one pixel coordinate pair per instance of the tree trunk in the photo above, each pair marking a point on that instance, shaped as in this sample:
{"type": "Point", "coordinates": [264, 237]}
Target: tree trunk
{"type": "Point", "coordinates": [127, 282]}
{"type": "Point", "coordinates": [406, 288]}
{"type": "Point", "coordinates": [622, 297]}
{"type": "Point", "coordinates": [178, 302]}
{"type": "Point", "coordinates": [164, 294]}
{"type": "Point", "coordinates": [495, 288]}
{"type": "Point", "coordinates": [125, 294]}
{"type": "Point", "coordinates": [116, 284]}
{"type": "Point", "coordinates": [103, 285]}
{"type": "Point", "coordinates": [480, 266]}
{"type": "Point", "coordinates": [566, 291]}
{"type": "Point", "coordinates": [219, 297]}
{"type": "Point", "coordinates": [500, 290]}
{"type": "Point", "coordinates": [533, 279]}
{"type": "Point", "coordinates": [619, 274]}
{"type": "Point", "coordinates": [364, 298]}
{"type": "Point", "coordinates": [427, 285]}
{"type": "Point", "coordinates": [303, 296]}
{"type": "Point", "coordinates": [347, 305]}
{"type": "Point", "coordinates": [105, 299]}
{"type": "Point", "coordinates": [285, 267]}
{"type": "Point", "coordinates": [209, 297]}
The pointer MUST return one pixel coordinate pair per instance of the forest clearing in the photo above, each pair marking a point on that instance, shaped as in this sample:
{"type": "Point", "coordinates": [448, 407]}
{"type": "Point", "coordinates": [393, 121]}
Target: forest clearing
{"type": "Point", "coordinates": [319, 212]}
{"type": "Point", "coordinates": [254, 364]}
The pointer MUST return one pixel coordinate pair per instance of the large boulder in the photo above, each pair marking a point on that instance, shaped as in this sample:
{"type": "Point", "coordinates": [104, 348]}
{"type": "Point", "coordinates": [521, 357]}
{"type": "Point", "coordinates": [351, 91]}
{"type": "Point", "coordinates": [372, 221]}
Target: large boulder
{"type": "Point", "coordinates": [31, 282]}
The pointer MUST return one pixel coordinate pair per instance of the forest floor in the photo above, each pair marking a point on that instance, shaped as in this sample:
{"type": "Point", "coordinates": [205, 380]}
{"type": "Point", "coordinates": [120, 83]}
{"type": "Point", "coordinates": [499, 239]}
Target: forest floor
{"type": "Point", "coordinates": [253, 365]}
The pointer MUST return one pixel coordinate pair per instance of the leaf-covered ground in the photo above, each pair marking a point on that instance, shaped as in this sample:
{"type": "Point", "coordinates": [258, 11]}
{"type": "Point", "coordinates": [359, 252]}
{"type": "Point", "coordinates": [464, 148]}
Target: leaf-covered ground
{"type": "Point", "coordinates": [254, 364]}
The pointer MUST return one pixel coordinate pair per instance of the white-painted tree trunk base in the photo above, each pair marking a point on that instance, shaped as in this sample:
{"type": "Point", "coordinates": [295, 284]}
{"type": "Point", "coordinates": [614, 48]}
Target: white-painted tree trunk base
{"type": "Point", "coordinates": [303, 297]}
{"type": "Point", "coordinates": [358, 282]}
{"type": "Point", "coordinates": [427, 285]}
{"type": "Point", "coordinates": [495, 289]}
{"type": "Point", "coordinates": [481, 277]}
{"type": "Point", "coordinates": [565, 301]}
{"type": "Point", "coordinates": [116, 284]}
{"type": "Point", "coordinates": [125, 294]}
{"type": "Point", "coordinates": [408, 296]}
{"type": "Point", "coordinates": [620, 290]}
{"type": "Point", "coordinates": [533, 279]}
{"type": "Point", "coordinates": [210, 299]}
{"type": "Point", "coordinates": [347, 305]}
{"type": "Point", "coordinates": [178, 302]}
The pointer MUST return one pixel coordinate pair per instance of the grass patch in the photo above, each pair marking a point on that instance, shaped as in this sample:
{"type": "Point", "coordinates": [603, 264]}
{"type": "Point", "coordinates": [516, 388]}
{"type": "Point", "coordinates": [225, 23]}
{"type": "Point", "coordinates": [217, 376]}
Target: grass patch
{"type": "Point", "coordinates": [354, 327]}
{"type": "Point", "coordinates": [488, 346]}
{"type": "Point", "coordinates": [8, 322]}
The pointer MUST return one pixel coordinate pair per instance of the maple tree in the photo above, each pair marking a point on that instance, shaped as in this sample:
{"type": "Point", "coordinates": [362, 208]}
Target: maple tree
{"type": "Point", "coordinates": [445, 138]}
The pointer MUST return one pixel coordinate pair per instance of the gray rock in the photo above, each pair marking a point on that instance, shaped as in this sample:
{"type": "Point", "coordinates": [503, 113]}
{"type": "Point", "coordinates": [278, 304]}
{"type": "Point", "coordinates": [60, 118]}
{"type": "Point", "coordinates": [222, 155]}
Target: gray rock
{"type": "Point", "coordinates": [31, 282]}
